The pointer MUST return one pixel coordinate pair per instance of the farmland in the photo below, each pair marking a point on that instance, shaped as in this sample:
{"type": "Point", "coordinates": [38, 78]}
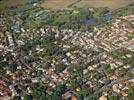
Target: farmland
{"type": "Point", "coordinates": [112, 4]}
{"type": "Point", "coordinates": [62, 4]}
{"type": "Point", "coordinates": [57, 4]}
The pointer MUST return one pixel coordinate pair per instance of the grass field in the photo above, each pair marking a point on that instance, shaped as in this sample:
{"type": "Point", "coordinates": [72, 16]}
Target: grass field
{"type": "Point", "coordinates": [57, 4]}
{"type": "Point", "coordinates": [112, 4]}
{"type": "Point", "coordinates": [9, 3]}
{"type": "Point", "coordinates": [62, 4]}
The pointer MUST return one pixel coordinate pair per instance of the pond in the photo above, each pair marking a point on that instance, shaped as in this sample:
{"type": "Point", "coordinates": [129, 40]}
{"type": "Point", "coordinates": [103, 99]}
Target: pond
{"type": "Point", "coordinates": [106, 17]}
{"type": "Point", "coordinates": [92, 21]}
{"type": "Point", "coordinates": [109, 15]}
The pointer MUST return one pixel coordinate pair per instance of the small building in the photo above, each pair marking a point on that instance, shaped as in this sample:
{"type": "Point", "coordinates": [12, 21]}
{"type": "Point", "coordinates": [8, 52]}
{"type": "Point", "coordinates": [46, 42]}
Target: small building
{"type": "Point", "coordinates": [67, 95]}
{"type": "Point", "coordinates": [10, 38]}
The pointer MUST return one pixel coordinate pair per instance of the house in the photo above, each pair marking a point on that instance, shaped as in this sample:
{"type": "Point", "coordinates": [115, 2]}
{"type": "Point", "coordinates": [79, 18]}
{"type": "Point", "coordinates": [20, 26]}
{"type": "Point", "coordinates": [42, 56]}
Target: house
{"type": "Point", "coordinates": [14, 92]}
{"type": "Point", "coordinates": [49, 92]}
{"type": "Point", "coordinates": [12, 86]}
{"type": "Point", "coordinates": [19, 42]}
{"type": "Point", "coordinates": [29, 90]}
{"type": "Point", "coordinates": [115, 88]}
{"type": "Point", "coordinates": [1, 37]}
{"type": "Point", "coordinates": [103, 98]}
{"type": "Point", "coordinates": [1, 48]}
{"type": "Point", "coordinates": [85, 71]}
{"type": "Point", "coordinates": [10, 38]}
{"type": "Point", "coordinates": [67, 95]}
{"type": "Point", "coordinates": [22, 30]}
{"type": "Point", "coordinates": [74, 97]}
{"type": "Point", "coordinates": [35, 80]}
{"type": "Point", "coordinates": [42, 31]}
{"type": "Point", "coordinates": [114, 77]}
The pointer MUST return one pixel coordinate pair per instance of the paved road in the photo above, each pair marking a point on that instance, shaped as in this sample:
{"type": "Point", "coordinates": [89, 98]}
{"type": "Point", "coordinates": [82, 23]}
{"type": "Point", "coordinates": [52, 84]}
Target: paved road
{"type": "Point", "coordinates": [114, 82]}
{"type": "Point", "coordinates": [130, 43]}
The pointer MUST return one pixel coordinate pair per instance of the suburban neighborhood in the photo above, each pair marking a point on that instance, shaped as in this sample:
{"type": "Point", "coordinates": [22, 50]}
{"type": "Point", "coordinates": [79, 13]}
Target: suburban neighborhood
{"type": "Point", "coordinates": [64, 55]}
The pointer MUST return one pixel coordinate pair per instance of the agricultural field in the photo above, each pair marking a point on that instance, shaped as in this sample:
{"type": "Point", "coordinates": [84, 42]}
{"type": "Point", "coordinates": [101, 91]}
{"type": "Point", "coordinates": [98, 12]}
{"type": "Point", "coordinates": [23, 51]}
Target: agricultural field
{"type": "Point", "coordinates": [62, 4]}
{"type": "Point", "coordinates": [57, 4]}
{"type": "Point", "coordinates": [112, 4]}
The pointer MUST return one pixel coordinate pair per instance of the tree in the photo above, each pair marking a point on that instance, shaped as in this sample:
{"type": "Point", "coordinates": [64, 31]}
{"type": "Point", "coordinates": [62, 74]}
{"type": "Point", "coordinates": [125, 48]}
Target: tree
{"type": "Point", "coordinates": [94, 96]}
{"type": "Point", "coordinates": [28, 97]}
{"type": "Point", "coordinates": [58, 92]}
{"type": "Point", "coordinates": [38, 95]}
{"type": "Point", "coordinates": [39, 73]}
{"type": "Point", "coordinates": [17, 98]}
{"type": "Point", "coordinates": [114, 98]}
{"type": "Point", "coordinates": [60, 67]}
{"type": "Point", "coordinates": [84, 91]}
{"type": "Point", "coordinates": [131, 93]}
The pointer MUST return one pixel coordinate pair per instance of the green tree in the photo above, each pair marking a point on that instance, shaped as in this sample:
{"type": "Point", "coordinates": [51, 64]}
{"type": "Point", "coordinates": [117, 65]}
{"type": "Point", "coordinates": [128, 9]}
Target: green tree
{"type": "Point", "coordinates": [131, 93]}
{"type": "Point", "coordinates": [28, 97]}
